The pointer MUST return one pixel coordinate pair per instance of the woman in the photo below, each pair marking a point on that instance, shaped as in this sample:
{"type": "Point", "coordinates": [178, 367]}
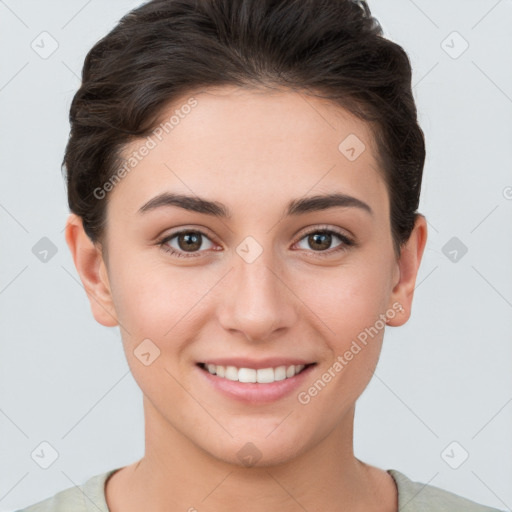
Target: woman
{"type": "Point", "coordinates": [244, 178]}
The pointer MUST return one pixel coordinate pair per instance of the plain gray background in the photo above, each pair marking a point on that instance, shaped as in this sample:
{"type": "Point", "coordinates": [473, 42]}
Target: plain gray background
{"type": "Point", "coordinates": [443, 386]}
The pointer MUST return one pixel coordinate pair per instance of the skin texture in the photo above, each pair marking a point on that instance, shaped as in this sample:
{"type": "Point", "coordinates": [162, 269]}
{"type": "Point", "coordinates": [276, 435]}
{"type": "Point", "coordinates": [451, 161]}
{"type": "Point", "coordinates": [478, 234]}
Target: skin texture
{"type": "Point", "coordinates": [253, 150]}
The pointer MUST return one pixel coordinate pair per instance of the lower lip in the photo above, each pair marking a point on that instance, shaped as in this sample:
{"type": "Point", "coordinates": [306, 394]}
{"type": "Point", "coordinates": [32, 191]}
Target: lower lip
{"type": "Point", "coordinates": [253, 392]}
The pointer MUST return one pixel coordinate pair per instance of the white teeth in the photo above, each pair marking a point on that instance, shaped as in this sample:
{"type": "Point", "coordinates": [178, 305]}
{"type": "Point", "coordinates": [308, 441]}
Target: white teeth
{"type": "Point", "coordinates": [280, 373]}
{"type": "Point", "coordinates": [262, 375]}
{"type": "Point", "coordinates": [247, 375]}
{"type": "Point", "coordinates": [265, 375]}
{"type": "Point", "coordinates": [231, 373]}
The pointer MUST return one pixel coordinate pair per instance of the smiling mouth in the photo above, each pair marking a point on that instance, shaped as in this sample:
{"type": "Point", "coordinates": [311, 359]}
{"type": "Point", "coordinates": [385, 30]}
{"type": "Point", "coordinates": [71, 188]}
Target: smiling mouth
{"type": "Point", "coordinates": [252, 375]}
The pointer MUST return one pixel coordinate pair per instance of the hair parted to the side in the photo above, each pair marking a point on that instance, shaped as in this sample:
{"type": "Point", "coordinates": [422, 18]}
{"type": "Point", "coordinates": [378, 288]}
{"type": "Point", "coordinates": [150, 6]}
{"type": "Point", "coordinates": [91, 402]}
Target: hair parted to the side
{"type": "Point", "coordinates": [165, 49]}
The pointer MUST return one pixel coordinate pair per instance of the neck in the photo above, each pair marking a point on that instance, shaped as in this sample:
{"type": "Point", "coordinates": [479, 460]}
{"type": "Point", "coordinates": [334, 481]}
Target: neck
{"type": "Point", "coordinates": [175, 474]}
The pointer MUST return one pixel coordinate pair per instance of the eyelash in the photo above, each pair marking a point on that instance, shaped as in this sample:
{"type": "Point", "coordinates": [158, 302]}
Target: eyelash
{"type": "Point", "coordinates": [346, 242]}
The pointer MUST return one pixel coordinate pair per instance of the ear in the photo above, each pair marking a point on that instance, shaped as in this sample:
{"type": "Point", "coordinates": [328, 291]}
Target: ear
{"type": "Point", "coordinates": [408, 265]}
{"type": "Point", "coordinates": [92, 271]}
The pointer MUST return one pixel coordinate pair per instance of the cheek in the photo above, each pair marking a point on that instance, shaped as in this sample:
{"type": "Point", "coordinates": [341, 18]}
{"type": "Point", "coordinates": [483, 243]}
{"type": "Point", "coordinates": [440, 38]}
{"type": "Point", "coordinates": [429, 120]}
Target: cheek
{"type": "Point", "coordinates": [162, 303]}
{"type": "Point", "coordinates": [347, 299]}
{"type": "Point", "coordinates": [160, 311]}
{"type": "Point", "coordinates": [350, 304]}
{"type": "Point", "coordinates": [147, 294]}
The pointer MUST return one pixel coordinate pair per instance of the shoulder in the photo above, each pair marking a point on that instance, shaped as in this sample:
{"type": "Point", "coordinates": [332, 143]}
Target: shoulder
{"type": "Point", "coordinates": [87, 497]}
{"type": "Point", "coordinates": [419, 497]}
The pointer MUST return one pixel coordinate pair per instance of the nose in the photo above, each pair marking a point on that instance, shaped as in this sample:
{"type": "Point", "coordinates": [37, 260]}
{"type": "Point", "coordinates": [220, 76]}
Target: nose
{"type": "Point", "coordinates": [257, 300]}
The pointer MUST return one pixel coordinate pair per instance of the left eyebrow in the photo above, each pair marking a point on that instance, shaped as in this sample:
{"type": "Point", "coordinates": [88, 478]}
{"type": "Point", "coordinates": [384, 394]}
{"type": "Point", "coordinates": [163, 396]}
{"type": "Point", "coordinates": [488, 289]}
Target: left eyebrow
{"type": "Point", "coordinates": [323, 202]}
{"type": "Point", "coordinates": [295, 207]}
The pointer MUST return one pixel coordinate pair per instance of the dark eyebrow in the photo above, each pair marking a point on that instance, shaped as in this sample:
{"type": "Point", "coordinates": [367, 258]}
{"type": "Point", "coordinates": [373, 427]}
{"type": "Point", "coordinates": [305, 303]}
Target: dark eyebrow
{"type": "Point", "coordinates": [294, 207]}
{"type": "Point", "coordinates": [323, 202]}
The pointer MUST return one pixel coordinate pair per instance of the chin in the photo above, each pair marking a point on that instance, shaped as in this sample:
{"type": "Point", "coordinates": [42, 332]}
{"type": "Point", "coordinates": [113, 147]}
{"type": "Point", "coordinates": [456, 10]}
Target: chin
{"type": "Point", "coordinates": [256, 450]}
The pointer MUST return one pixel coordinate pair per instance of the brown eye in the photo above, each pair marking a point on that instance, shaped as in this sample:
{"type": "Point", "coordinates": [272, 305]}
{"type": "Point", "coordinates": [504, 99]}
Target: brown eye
{"type": "Point", "coordinates": [322, 240]}
{"type": "Point", "coordinates": [186, 241]}
{"type": "Point", "coordinates": [189, 241]}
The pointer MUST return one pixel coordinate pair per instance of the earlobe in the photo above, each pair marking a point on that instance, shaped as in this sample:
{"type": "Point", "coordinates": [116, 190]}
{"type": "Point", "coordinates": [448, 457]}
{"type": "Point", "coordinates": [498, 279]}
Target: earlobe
{"type": "Point", "coordinates": [408, 265]}
{"type": "Point", "coordinates": [91, 268]}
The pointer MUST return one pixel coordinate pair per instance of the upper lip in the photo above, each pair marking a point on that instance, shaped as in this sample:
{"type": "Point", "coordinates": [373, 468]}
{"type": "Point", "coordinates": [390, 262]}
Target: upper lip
{"type": "Point", "coordinates": [270, 362]}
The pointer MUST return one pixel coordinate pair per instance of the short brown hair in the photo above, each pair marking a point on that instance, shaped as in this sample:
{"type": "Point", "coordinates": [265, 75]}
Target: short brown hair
{"type": "Point", "coordinates": [166, 48]}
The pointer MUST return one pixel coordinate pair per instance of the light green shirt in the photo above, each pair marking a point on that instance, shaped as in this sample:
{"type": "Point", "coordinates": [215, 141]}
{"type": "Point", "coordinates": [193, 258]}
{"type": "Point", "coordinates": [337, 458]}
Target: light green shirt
{"type": "Point", "coordinates": [412, 497]}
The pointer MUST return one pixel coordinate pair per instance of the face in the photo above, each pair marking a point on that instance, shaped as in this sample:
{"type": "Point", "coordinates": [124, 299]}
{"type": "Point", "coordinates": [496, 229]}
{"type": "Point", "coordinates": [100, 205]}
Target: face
{"type": "Point", "coordinates": [261, 278]}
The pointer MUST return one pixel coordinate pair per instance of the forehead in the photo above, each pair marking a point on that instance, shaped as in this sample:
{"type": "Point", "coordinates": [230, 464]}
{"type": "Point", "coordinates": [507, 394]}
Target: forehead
{"type": "Point", "coordinates": [250, 144]}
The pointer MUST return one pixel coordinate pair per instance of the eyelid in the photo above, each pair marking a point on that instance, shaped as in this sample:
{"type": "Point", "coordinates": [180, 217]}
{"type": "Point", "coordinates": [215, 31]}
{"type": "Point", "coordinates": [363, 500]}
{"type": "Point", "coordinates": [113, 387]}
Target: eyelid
{"type": "Point", "coordinates": [186, 229]}
{"type": "Point", "coordinates": [163, 240]}
{"type": "Point", "coordinates": [313, 228]}
{"type": "Point", "coordinates": [347, 240]}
